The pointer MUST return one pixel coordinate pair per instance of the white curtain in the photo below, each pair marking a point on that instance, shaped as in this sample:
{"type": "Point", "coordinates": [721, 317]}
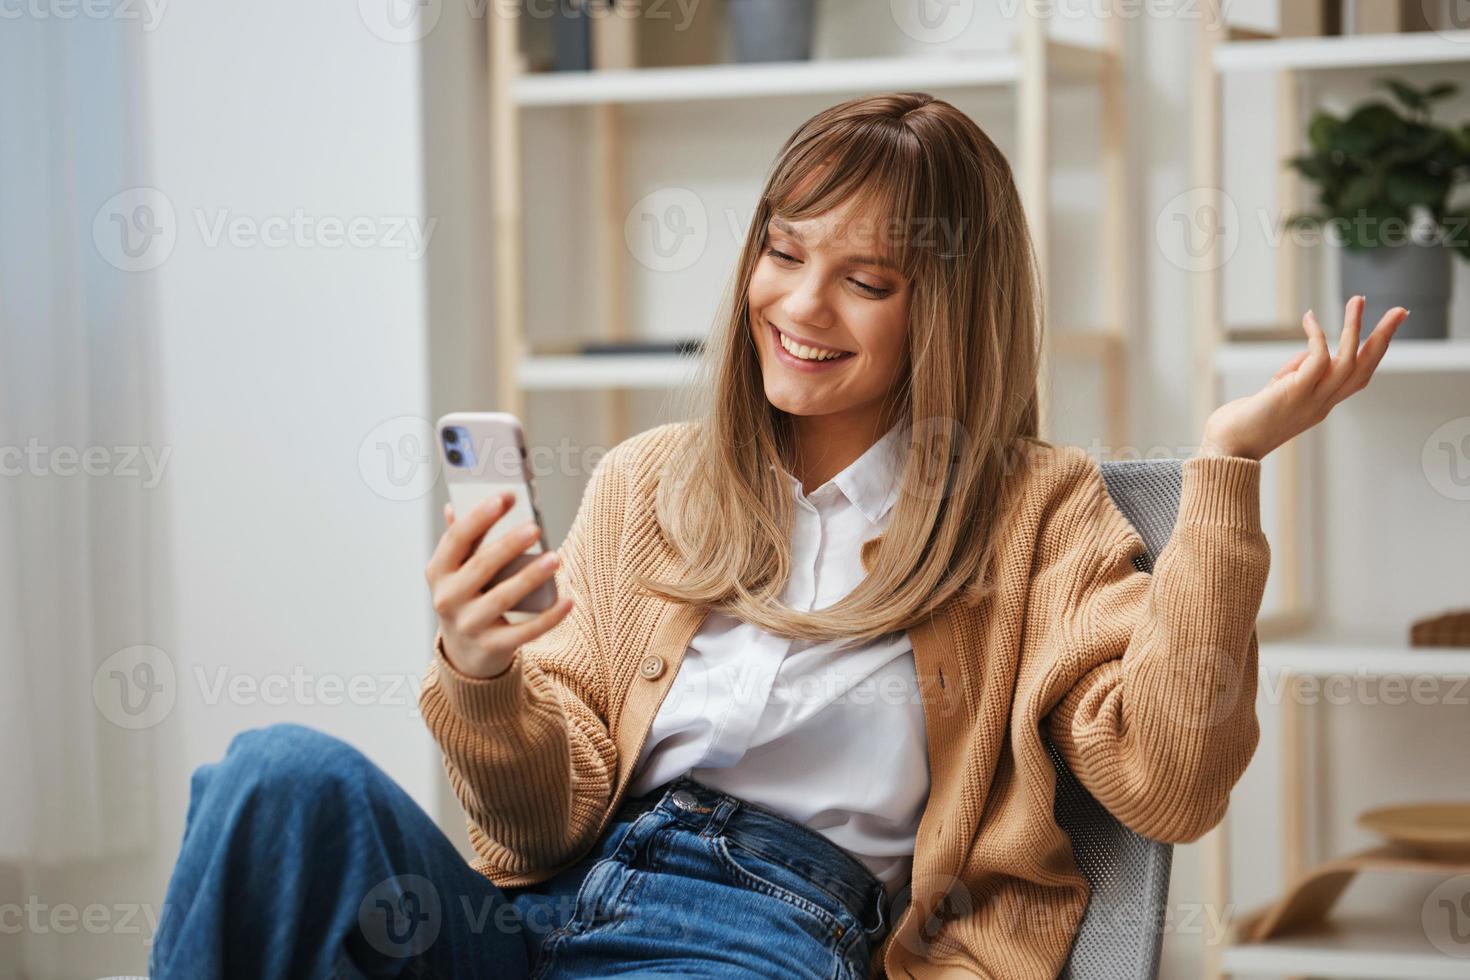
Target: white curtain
{"type": "Point", "coordinates": [79, 523]}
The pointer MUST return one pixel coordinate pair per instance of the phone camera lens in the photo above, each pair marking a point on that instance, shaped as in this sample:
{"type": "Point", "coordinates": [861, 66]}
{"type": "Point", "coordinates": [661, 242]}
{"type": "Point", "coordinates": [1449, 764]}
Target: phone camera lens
{"type": "Point", "coordinates": [455, 456]}
{"type": "Point", "coordinates": [451, 436]}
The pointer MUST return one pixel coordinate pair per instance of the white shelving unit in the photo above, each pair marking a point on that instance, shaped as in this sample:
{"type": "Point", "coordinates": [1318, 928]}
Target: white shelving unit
{"type": "Point", "coordinates": [1403, 357]}
{"type": "Point", "coordinates": [1293, 647]}
{"type": "Point", "coordinates": [741, 81]}
{"type": "Point", "coordinates": [586, 372]}
{"type": "Point", "coordinates": [1327, 53]}
{"type": "Point", "coordinates": [1357, 947]}
{"type": "Point", "coordinates": [1029, 70]}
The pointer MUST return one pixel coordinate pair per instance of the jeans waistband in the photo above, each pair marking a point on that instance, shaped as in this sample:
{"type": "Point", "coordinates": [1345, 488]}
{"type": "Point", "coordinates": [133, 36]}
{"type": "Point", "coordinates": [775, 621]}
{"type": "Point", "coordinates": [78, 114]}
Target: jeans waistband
{"type": "Point", "coordinates": [709, 812]}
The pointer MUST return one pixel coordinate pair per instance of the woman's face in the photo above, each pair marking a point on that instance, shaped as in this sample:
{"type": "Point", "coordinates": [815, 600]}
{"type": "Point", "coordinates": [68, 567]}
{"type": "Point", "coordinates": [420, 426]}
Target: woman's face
{"type": "Point", "coordinates": [829, 315]}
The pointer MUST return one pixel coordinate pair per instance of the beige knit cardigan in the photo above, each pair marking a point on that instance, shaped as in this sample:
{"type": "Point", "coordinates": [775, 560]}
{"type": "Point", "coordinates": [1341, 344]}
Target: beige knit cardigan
{"type": "Point", "coordinates": [1145, 682]}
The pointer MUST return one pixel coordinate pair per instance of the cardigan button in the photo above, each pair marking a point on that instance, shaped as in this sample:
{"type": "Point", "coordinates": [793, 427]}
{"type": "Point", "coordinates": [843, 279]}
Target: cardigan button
{"type": "Point", "coordinates": [652, 667]}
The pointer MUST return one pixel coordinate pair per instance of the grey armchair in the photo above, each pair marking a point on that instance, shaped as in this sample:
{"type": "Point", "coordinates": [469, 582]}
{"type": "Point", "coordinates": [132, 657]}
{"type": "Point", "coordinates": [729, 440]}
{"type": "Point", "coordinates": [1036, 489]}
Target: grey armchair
{"type": "Point", "coordinates": [1122, 930]}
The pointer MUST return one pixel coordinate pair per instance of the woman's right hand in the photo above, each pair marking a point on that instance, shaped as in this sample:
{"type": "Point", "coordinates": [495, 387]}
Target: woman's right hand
{"type": "Point", "coordinates": [478, 640]}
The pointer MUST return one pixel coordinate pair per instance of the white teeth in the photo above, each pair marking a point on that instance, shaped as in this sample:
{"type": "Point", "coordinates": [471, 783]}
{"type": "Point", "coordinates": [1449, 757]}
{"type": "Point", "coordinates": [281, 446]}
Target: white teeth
{"type": "Point", "coordinates": [804, 352]}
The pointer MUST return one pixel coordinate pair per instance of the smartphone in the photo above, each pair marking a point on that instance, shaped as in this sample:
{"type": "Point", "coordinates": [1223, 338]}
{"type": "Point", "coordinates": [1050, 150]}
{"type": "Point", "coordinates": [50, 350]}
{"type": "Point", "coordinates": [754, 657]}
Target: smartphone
{"type": "Point", "coordinates": [484, 454]}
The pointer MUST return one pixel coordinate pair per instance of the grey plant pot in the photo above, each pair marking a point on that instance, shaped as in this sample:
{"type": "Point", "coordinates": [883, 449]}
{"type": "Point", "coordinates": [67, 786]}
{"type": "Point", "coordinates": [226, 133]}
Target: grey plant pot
{"type": "Point", "coordinates": [771, 30]}
{"type": "Point", "coordinates": [1414, 276]}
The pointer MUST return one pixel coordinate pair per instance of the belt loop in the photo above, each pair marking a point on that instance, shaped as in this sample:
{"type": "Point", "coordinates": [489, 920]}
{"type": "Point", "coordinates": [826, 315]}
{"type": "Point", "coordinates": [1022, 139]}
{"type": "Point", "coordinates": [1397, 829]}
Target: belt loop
{"type": "Point", "coordinates": [726, 806]}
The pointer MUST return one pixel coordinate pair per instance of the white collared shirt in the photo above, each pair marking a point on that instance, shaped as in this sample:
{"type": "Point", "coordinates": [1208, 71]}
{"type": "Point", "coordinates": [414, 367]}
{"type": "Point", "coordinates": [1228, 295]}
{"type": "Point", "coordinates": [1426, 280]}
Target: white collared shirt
{"type": "Point", "coordinates": [829, 734]}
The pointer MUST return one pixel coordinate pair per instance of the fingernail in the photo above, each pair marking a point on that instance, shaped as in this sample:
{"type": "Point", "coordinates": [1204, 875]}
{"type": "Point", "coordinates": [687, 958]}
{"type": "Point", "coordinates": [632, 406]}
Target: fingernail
{"type": "Point", "coordinates": [528, 531]}
{"type": "Point", "coordinates": [550, 560]}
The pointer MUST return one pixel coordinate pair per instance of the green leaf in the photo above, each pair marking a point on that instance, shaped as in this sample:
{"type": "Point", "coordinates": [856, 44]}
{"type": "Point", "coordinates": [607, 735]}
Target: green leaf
{"type": "Point", "coordinates": [1405, 188]}
{"type": "Point", "coordinates": [1369, 127]}
{"type": "Point", "coordinates": [1318, 168]}
{"type": "Point", "coordinates": [1303, 221]}
{"type": "Point", "coordinates": [1365, 228]}
{"type": "Point", "coordinates": [1442, 90]}
{"type": "Point", "coordinates": [1411, 97]}
{"type": "Point", "coordinates": [1319, 133]}
{"type": "Point", "coordinates": [1359, 192]}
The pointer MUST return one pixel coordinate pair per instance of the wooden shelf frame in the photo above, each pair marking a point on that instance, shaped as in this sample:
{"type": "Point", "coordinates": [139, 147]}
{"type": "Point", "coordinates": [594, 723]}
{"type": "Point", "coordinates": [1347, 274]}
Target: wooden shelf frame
{"type": "Point", "coordinates": [1030, 70]}
{"type": "Point", "coordinates": [1220, 350]}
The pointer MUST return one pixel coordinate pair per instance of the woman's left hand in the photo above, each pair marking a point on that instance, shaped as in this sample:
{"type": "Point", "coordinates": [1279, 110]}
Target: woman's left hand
{"type": "Point", "coordinates": [1304, 390]}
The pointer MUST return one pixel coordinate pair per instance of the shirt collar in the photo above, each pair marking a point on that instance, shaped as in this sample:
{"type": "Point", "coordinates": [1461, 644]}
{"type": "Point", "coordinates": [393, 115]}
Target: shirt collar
{"type": "Point", "coordinates": [871, 482]}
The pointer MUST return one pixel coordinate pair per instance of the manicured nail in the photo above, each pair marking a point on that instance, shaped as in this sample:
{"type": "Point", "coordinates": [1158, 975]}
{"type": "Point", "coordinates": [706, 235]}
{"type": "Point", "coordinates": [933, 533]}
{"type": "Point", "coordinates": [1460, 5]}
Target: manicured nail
{"type": "Point", "coordinates": [528, 532]}
{"type": "Point", "coordinates": [550, 560]}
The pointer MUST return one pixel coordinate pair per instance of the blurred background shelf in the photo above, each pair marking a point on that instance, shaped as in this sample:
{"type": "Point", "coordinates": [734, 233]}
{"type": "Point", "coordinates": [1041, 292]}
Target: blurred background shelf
{"type": "Point", "coordinates": [1403, 357]}
{"type": "Point", "coordinates": [591, 372]}
{"type": "Point", "coordinates": [1357, 947]}
{"type": "Point", "coordinates": [1069, 63]}
{"type": "Point", "coordinates": [1343, 51]}
{"type": "Point", "coordinates": [1322, 653]}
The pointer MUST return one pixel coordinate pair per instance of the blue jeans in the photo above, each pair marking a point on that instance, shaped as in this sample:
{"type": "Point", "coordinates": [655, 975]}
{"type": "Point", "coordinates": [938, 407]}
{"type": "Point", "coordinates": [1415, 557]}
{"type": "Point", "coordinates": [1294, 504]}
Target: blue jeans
{"type": "Point", "coordinates": [301, 858]}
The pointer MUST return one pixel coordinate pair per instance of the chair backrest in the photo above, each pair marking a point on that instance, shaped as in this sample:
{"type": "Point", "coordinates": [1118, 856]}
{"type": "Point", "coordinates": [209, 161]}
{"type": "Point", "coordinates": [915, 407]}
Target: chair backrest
{"type": "Point", "coordinates": [1122, 930]}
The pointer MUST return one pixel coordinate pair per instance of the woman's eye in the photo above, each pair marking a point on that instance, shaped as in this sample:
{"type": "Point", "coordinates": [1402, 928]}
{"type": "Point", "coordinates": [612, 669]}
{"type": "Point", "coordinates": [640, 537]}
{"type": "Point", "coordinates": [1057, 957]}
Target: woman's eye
{"type": "Point", "coordinates": [877, 292]}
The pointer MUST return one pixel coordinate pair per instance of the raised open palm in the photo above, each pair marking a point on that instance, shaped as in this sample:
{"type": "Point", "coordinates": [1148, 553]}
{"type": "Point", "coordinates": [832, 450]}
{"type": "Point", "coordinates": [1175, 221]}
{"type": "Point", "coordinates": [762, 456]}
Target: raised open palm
{"type": "Point", "coordinates": [1305, 390]}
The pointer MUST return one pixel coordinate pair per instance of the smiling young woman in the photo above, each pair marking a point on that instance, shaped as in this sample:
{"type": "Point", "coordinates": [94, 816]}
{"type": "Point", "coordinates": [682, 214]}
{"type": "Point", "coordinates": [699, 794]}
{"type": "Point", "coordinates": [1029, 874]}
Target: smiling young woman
{"type": "Point", "coordinates": [791, 715]}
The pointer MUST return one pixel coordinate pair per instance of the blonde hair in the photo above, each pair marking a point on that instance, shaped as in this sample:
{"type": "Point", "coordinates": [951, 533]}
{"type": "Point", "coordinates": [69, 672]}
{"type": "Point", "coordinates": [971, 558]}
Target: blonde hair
{"type": "Point", "coordinates": [969, 397]}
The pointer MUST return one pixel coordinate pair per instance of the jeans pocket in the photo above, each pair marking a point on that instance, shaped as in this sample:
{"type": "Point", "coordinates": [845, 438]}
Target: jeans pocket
{"type": "Point", "coordinates": [760, 874]}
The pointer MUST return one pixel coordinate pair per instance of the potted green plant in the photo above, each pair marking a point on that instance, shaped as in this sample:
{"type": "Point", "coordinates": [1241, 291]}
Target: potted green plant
{"type": "Point", "coordinates": [1385, 176]}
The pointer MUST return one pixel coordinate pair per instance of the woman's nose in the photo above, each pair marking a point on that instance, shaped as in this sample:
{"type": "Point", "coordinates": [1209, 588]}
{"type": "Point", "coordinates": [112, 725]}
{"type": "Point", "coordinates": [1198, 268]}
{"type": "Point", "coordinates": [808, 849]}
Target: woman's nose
{"type": "Point", "coordinates": [807, 302]}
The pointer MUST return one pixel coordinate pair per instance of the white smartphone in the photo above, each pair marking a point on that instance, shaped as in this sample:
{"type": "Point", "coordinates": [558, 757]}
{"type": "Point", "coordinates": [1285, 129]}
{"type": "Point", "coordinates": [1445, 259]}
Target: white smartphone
{"type": "Point", "coordinates": [484, 453]}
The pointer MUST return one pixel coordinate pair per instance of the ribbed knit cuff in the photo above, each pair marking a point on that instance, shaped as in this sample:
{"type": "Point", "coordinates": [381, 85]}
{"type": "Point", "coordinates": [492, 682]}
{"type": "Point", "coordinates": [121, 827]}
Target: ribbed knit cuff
{"type": "Point", "coordinates": [480, 699]}
{"type": "Point", "coordinates": [1221, 490]}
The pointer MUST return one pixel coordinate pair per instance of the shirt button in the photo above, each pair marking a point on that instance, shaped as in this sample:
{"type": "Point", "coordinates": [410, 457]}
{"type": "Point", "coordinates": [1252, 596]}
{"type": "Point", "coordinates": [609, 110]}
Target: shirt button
{"type": "Point", "coordinates": [652, 667]}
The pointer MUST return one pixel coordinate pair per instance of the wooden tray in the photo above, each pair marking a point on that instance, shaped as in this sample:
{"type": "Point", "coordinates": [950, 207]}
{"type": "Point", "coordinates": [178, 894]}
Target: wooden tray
{"type": "Point", "coordinates": [1435, 830]}
{"type": "Point", "coordinates": [1307, 903]}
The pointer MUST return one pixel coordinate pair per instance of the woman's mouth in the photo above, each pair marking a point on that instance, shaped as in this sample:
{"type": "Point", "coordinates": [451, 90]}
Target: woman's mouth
{"type": "Point", "coordinates": [805, 357]}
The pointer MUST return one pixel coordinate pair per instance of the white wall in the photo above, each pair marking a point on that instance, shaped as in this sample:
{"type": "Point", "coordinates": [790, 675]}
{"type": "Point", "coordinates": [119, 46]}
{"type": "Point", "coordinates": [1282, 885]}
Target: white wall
{"type": "Point", "coordinates": [279, 361]}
